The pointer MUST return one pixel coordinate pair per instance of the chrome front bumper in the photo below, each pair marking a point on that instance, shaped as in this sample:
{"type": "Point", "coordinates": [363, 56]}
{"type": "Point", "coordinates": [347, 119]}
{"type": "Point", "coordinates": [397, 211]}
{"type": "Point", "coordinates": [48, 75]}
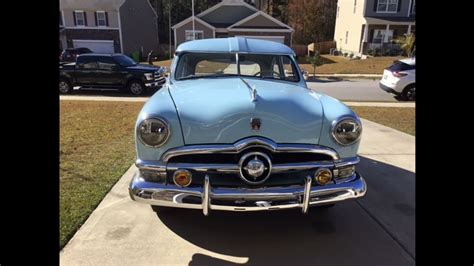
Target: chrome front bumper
{"type": "Point", "coordinates": [244, 199]}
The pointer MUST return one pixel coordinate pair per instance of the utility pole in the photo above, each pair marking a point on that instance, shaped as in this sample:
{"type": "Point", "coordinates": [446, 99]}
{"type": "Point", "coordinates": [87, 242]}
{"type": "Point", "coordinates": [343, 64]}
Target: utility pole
{"type": "Point", "coordinates": [192, 7]}
{"type": "Point", "coordinates": [169, 25]}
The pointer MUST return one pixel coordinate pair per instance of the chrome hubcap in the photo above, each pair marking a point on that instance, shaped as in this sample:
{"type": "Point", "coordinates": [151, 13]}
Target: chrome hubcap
{"type": "Point", "coordinates": [63, 86]}
{"type": "Point", "coordinates": [136, 88]}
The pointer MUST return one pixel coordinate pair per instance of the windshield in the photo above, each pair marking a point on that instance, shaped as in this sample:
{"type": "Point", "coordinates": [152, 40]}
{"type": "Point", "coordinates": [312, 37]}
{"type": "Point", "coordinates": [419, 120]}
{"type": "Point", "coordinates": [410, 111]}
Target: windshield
{"type": "Point", "coordinates": [124, 60]}
{"type": "Point", "coordinates": [199, 65]}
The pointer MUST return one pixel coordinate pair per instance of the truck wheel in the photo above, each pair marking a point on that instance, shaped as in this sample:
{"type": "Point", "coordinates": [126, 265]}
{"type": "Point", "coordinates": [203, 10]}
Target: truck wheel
{"type": "Point", "coordinates": [408, 93]}
{"type": "Point", "coordinates": [136, 88]}
{"type": "Point", "coordinates": [64, 87]}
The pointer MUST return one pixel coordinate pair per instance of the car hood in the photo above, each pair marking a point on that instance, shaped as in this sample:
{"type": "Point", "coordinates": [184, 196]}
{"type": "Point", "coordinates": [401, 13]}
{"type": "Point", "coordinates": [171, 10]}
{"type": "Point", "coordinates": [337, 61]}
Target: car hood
{"type": "Point", "coordinates": [143, 68]}
{"type": "Point", "coordinates": [220, 110]}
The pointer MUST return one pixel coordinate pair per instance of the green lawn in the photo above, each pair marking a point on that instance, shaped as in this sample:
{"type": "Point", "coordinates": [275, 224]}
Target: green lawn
{"type": "Point", "coordinates": [399, 118]}
{"type": "Point", "coordinates": [96, 148]}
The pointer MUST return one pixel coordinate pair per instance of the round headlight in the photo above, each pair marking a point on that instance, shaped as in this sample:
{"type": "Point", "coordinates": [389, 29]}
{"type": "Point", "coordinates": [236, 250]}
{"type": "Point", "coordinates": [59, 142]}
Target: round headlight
{"type": "Point", "coordinates": [153, 132]}
{"type": "Point", "coordinates": [346, 130]}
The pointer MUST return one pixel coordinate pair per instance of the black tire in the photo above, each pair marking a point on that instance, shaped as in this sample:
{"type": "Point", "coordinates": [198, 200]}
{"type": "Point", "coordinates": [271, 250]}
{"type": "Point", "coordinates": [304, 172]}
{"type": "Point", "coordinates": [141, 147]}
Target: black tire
{"type": "Point", "coordinates": [136, 87]}
{"type": "Point", "coordinates": [409, 93]}
{"type": "Point", "coordinates": [64, 86]}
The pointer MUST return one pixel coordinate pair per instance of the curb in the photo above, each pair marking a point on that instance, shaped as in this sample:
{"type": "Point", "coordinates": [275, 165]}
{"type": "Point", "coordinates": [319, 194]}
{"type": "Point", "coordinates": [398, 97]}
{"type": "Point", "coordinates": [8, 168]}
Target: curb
{"type": "Point", "coordinates": [368, 76]}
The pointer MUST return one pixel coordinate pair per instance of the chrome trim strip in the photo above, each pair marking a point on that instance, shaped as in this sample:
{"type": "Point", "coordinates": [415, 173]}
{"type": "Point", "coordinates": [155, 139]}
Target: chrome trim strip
{"type": "Point", "coordinates": [278, 168]}
{"type": "Point", "coordinates": [235, 169]}
{"type": "Point", "coordinates": [220, 168]}
{"type": "Point", "coordinates": [347, 162]}
{"type": "Point", "coordinates": [247, 143]}
{"type": "Point", "coordinates": [205, 197]}
{"type": "Point", "coordinates": [289, 197]}
{"type": "Point", "coordinates": [307, 194]}
{"type": "Point", "coordinates": [150, 165]}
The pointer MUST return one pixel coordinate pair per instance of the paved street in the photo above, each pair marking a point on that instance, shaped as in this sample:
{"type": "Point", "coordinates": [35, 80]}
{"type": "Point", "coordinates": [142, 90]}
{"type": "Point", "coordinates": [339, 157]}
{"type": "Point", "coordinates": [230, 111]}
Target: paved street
{"type": "Point", "coordinates": [352, 90]}
{"type": "Point", "coordinates": [378, 229]}
{"type": "Point", "coordinates": [345, 90]}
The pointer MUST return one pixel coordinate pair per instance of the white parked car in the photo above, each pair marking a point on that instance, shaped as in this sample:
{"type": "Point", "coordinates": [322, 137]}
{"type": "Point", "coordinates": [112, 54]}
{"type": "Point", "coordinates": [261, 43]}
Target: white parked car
{"type": "Point", "coordinates": [399, 79]}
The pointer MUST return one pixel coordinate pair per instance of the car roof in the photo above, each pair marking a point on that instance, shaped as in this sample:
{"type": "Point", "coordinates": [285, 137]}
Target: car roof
{"type": "Point", "coordinates": [408, 61]}
{"type": "Point", "coordinates": [78, 48]}
{"type": "Point", "coordinates": [95, 54]}
{"type": "Point", "coordinates": [235, 45]}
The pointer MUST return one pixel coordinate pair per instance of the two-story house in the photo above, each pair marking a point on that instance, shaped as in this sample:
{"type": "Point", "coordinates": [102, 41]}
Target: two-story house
{"type": "Point", "coordinates": [108, 26]}
{"type": "Point", "coordinates": [362, 25]}
{"type": "Point", "coordinates": [232, 18]}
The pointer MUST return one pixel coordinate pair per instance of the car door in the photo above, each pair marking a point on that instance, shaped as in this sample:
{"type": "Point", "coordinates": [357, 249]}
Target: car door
{"type": "Point", "coordinates": [109, 73]}
{"type": "Point", "coordinates": [85, 70]}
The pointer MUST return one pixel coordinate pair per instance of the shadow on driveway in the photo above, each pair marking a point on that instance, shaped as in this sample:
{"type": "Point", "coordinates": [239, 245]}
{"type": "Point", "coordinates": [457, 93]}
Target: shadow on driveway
{"type": "Point", "coordinates": [351, 233]}
{"type": "Point", "coordinates": [326, 80]}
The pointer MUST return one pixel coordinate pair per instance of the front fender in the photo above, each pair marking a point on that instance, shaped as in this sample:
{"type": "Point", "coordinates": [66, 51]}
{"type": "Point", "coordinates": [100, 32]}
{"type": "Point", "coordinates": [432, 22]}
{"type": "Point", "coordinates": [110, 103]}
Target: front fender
{"type": "Point", "coordinates": [334, 109]}
{"type": "Point", "coordinates": [160, 105]}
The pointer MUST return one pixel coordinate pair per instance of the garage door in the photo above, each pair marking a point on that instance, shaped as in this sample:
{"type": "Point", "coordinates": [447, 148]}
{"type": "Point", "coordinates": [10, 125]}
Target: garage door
{"type": "Point", "coordinates": [97, 46]}
{"type": "Point", "coordinates": [278, 39]}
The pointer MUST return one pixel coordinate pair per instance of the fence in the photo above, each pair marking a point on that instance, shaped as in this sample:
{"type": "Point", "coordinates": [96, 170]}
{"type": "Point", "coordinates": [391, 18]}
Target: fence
{"type": "Point", "coordinates": [300, 49]}
{"type": "Point", "coordinates": [322, 47]}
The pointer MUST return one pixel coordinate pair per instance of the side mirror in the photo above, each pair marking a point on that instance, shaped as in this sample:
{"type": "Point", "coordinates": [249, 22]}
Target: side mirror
{"type": "Point", "coordinates": [305, 74]}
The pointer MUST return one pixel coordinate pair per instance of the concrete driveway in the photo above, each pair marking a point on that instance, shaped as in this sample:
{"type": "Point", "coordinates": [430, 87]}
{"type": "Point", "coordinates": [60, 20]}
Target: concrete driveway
{"type": "Point", "coordinates": [378, 229]}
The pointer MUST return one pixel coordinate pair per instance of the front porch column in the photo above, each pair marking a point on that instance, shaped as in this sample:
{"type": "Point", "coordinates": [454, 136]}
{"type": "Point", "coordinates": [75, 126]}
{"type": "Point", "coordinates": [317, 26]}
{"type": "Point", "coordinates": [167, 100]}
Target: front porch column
{"type": "Point", "coordinates": [365, 38]}
{"type": "Point", "coordinates": [366, 33]}
{"type": "Point", "coordinates": [409, 29]}
{"type": "Point", "coordinates": [385, 39]}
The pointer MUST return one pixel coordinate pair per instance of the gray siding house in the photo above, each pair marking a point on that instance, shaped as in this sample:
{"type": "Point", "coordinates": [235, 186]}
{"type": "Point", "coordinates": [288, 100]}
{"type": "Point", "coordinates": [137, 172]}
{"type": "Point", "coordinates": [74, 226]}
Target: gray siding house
{"type": "Point", "coordinates": [232, 18]}
{"type": "Point", "coordinates": [363, 25]}
{"type": "Point", "coordinates": [108, 26]}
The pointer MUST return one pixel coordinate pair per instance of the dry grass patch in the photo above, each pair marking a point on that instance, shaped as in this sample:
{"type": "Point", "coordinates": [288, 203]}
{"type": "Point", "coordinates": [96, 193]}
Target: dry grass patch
{"type": "Point", "coordinates": [96, 148]}
{"type": "Point", "coordinates": [399, 118]}
{"type": "Point", "coordinates": [340, 65]}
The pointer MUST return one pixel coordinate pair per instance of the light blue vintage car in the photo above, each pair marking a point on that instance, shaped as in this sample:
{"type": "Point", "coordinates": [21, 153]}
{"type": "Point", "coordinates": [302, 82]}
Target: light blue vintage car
{"type": "Point", "coordinates": [235, 128]}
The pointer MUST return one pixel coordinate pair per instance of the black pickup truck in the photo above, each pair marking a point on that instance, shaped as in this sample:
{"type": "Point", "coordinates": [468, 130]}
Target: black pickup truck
{"type": "Point", "coordinates": [109, 72]}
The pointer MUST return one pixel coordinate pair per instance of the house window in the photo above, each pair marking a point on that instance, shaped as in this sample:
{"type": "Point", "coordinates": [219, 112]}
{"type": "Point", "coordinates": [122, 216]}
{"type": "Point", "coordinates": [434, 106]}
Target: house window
{"type": "Point", "coordinates": [387, 6]}
{"type": "Point", "coordinates": [379, 36]}
{"type": "Point", "coordinates": [79, 18]}
{"type": "Point", "coordinates": [355, 5]}
{"type": "Point", "coordinates": [347, 36]}
{"type": "Point", "coordinates": [101, 19]}
{"type": "Point", "coordinates": [198, 34]}
{"type": "Point", "coordinates": [413, 7]}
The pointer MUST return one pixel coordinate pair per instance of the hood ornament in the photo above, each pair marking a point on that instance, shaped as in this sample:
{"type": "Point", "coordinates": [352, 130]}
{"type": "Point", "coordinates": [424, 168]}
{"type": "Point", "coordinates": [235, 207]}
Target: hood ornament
{"type": "Point", "coordinates": [253, 90]}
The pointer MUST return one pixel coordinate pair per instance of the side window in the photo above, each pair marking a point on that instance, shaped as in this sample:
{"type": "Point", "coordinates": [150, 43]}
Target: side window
{"type": "Point", "coordinates": [290, 71]}
{"type": "Point", "coordinates": [210, 66]}
{"type": "Point", "coordinates": [88, 62]}
{"type": "Point", "coordinates": [249, 68]}
{"type": "Point", "coordinates": [105, 63]}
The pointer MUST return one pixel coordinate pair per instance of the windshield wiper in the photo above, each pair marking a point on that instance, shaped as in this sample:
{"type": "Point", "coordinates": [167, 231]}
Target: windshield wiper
{"type": "Point", "coordinates": [206, 76]}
